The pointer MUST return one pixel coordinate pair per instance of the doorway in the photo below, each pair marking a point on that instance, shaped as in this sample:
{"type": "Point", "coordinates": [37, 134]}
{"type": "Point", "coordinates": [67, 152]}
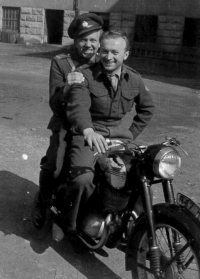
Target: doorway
{"type": "Point", "coordinates": [54, 26]}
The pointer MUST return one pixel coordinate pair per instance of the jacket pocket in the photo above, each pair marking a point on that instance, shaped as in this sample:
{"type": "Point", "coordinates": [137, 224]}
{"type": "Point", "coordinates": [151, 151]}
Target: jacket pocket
{"type": "Point", "coordinates": [98, 91]}
{"type": "Point", "coordinates": [127, 99]}
{"type": "Point", "coordinates": [100, 101]}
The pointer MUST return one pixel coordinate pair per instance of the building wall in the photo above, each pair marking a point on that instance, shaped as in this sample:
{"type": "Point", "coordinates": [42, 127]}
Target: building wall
{"type": "Point", "coordinates": [1, 11]}
{"type": "Point", "coordinates": [186, 8]}
{"type": "Point", "coordinates": [161, 7]}
{"type": "Point", "coordinates": [170, 31]}
{"type": "Point", "coordinates": [122, 14]}
{"type": "Point", "coordinates": [41, 4]}
{"type": "Point", "coordinates": [32, 24]}
{"type": "Point", "coordinates": [169, 38]}
{"type": "Point", "coordinates": [169, 28]}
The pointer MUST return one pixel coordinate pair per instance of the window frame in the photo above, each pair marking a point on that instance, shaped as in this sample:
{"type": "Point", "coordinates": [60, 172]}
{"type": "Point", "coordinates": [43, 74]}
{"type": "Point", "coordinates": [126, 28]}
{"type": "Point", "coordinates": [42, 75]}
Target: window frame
{"type": "Point", "coordinates": [10, 19]}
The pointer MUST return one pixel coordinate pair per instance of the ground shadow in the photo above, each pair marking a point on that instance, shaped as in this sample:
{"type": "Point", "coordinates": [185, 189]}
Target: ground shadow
{"type": "Point", "coordinates": [44, 51]}
{"type": "Point", "coordinates": [16, 199]}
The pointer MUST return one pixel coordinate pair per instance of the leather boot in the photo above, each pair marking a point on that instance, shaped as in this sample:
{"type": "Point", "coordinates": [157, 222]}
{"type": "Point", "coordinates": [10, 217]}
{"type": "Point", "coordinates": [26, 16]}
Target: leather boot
{"type": "Point", "coordinates": [42, 199]}
{"type": "Point", "coordinates": [38, 213]}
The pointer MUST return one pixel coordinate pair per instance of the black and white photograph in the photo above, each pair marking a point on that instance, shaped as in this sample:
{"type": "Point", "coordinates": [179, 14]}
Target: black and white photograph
{"type": "Point", "coordinates": [100, 139]}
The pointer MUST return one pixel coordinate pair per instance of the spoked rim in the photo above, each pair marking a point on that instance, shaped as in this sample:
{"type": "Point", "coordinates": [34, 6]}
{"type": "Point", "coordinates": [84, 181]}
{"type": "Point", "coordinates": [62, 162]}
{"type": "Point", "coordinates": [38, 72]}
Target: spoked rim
{"type": "Point", "coordinates": [170, 241]}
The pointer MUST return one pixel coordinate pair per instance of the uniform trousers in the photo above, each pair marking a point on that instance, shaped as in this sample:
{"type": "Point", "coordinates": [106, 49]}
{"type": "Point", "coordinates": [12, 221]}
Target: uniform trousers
{"type": "Point", "coordinates": [80, 184]}
{"type": "Point", "coordinates": [52, 164]}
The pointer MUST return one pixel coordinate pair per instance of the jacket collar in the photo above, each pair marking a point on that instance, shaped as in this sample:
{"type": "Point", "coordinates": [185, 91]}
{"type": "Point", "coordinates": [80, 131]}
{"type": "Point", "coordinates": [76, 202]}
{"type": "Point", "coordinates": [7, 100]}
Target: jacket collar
{"type": "Point", "coordinates": [99, 71]}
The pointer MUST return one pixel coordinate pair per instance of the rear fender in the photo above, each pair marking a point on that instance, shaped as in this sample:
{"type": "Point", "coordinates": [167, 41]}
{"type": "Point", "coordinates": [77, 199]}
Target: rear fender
{"type": "Point", "coordinates": [178, 213]}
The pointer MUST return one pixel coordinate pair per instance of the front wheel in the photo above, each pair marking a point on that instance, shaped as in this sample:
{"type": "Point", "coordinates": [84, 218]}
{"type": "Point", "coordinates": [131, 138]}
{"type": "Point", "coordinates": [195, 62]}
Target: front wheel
{"type": "Point", "coordinates": [173, 232]}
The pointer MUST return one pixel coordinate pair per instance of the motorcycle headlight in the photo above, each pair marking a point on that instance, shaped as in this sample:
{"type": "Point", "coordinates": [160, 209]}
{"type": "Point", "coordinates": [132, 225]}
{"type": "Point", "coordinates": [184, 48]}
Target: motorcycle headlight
{"type": "Point", "coordinates": [166, 163]}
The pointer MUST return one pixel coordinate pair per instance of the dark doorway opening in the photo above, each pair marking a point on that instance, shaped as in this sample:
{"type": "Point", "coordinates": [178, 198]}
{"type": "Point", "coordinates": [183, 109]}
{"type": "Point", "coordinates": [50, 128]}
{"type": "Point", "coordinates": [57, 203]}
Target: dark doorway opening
{"type": "Point", "coordinates": [191, 34]}
{"type": "Point", "coordinates": [54, 26]}
{"type": "Point", "coordinates": [145, 28]}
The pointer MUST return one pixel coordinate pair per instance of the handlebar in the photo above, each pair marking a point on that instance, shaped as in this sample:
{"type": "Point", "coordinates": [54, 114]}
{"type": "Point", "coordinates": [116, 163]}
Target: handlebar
{"type": "Point", "coordinates": [114, 143]}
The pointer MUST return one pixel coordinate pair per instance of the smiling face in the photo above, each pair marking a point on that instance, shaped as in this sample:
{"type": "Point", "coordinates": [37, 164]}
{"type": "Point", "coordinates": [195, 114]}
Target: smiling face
{"type": "Point", "coordinates": [112, 53]}
{"type": "Point", "coordinates": [88, 44]}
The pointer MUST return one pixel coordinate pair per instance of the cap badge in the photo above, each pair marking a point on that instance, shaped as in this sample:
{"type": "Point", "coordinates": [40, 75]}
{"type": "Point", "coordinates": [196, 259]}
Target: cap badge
{"type": "Point", "coordinates": [86, 25]}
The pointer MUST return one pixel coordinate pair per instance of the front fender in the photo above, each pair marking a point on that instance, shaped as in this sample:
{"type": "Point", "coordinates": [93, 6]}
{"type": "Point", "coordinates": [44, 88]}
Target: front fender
{"type": "Point", "coordinates": [177, 213]}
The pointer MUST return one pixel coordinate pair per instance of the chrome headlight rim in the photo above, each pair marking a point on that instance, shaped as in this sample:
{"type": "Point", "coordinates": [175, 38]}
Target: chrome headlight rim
{"type": "Point", "coordinates": [166, 163]}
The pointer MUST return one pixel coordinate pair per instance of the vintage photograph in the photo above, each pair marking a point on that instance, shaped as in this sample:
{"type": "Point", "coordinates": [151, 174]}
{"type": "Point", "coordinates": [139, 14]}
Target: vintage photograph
{"type": "Point", "coordinates": [100, 139]}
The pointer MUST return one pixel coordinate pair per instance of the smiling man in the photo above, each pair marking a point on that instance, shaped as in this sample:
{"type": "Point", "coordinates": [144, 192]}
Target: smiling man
{"type": "Point", "coordinates": [85, 30]}
{"type": "Point", "coordinates": [95, 109]}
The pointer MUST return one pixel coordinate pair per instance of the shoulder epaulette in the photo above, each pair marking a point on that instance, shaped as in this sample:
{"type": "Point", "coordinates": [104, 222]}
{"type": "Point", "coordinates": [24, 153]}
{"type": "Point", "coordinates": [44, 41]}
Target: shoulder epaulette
{"type": "Point", "coordinates": [63, 56]}
{"type": "Point", "coordinates": [84, 66]}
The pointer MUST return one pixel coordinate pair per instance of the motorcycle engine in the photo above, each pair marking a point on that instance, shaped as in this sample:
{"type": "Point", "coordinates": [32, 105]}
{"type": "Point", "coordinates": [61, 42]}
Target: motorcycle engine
{"type": "Point", "coordinates": [112, 174]}
{"type": "Point", "coordinates": [93, 225]}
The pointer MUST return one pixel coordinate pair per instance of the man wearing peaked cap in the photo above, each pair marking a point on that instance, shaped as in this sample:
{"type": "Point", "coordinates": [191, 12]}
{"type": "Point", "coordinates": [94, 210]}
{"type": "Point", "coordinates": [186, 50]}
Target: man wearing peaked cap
{"type": "Point", "coordinates": [85, 30]}
{"type": "Point", "coordinates": [83, 24]}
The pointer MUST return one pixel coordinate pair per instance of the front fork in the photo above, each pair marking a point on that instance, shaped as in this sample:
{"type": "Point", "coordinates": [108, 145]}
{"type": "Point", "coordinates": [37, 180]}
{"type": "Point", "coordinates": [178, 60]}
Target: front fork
{"type": "Point", "coordinates": [176, 246]}
{"type": "Point", "coordinates": [168, 191]}
{"type": "Point", "coordinates": [154, 251]}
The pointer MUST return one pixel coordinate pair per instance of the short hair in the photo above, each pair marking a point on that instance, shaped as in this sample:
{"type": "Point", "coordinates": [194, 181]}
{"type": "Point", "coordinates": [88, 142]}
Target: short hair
{"type": "Point", "coordinates": [116, 34]}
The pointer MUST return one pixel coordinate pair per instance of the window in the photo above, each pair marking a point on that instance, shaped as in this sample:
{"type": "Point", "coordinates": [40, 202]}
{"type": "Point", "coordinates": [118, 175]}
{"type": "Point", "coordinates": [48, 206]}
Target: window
{"type": "Point", "coordinates": [191, 34]}
{"type": "Point", "coordinates": [11, 17]}
{"type": "Point", "coordinates": [145, 29]}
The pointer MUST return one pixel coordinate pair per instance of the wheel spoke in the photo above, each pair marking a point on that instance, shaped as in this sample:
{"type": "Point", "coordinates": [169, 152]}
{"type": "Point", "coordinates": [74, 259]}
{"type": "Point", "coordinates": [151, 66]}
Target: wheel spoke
{"type": "Point", "coordinates": [170, 242]}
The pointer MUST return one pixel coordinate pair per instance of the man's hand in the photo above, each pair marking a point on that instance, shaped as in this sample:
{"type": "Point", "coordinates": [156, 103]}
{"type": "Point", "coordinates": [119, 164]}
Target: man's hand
{"type": "Point", "coordinates": [75, 77]}
{"type": "Point", "coordinates": [95, 139]}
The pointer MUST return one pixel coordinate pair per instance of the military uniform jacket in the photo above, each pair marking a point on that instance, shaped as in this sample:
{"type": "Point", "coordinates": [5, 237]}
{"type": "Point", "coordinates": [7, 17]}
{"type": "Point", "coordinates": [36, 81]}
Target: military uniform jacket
{"type": "Point", "coordinates": [60, 68]}
{"type": "Point", "coordinates": [94, 103]}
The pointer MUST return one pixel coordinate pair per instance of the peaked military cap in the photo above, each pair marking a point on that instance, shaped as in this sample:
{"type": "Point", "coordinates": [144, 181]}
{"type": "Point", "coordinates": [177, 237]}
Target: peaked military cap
{"type": "Point", "coordinates": [83, 24]}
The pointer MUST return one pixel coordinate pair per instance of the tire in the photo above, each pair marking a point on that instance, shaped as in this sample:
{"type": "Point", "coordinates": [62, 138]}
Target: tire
{"type": "Point", "coordinates": [187, 228]}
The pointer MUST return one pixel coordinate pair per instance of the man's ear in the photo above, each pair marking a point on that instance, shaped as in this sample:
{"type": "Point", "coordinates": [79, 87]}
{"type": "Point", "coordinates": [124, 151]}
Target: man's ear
{"type": "Point", "coordinates": [126, 55]}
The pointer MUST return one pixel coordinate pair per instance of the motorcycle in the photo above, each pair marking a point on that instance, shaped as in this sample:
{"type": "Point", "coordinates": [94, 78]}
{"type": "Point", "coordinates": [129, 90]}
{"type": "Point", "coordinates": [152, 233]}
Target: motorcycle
{"type": "Point", "coordinates": [159, 240]}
